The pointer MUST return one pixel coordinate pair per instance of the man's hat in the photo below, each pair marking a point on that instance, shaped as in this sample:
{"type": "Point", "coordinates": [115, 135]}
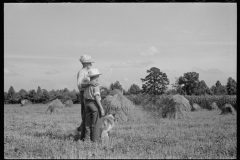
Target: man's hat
{"type": "Point", "coordinates": [93, 72]}
{"type": "Point", "coordinates": [85, 59]}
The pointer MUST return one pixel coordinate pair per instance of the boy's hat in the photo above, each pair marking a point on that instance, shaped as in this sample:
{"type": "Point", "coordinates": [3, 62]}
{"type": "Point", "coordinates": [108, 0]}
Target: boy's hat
{"type": "Point", "coordinates": [85, 59]}
{"type": "Point", "coordinates": [93, 72]}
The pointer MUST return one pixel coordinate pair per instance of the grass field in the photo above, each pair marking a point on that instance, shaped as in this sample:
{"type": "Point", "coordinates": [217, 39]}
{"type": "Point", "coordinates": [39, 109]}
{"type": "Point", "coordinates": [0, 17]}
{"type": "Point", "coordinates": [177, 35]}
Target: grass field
{"type": "Point", "coordinates": [30, 133]}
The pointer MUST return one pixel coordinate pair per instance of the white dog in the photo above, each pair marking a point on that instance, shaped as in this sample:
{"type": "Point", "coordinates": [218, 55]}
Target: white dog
{"type": "Point", "coordinates": [108, 121]}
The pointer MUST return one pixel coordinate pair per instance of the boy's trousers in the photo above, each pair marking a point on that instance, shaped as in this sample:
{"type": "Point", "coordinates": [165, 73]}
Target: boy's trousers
{"type": "Point", "coordinates": [93, 121]}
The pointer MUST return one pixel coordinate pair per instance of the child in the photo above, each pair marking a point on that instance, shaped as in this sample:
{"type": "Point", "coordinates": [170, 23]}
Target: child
{"type": "Point", "coordinates": [93, 109]}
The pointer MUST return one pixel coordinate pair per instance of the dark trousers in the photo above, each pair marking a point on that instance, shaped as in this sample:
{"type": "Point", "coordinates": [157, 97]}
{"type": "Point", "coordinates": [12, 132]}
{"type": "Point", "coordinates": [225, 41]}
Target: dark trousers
{"type": "Point", "coordinates": [82, 127]}
{"type": "Point", "coordinates": [93, 121]}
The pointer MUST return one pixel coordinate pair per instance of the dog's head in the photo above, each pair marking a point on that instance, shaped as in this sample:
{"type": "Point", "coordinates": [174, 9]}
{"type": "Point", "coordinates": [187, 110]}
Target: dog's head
{"type": "Point", "coordinates": [111, 117]}
{"type": "Point", "coordinates": [115, 119]}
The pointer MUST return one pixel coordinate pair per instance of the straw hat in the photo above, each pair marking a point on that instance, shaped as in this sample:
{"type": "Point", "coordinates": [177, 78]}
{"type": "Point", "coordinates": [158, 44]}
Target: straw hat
{"type": "Point", "coordinates": [85, 59]}
{"type": "Point", "coordinates": [93, 72]}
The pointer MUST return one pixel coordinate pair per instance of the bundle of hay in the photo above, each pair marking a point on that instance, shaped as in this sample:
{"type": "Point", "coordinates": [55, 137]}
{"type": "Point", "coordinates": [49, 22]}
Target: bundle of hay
{"type": "Point", "coordinates": [68, 103]}
{"type": "Point", "coordinates": [195, 107]}
{"type": "Point", "coordinates": [25, 102]}
{"type": "Point", "coordinates": [176, 108]}
{"type": "Point", "coordinates": [214, 106]}
{"type": "Point", "coordinates": [55, 105]}
{"type": "Point", "coordinates": [119, 105]}
{"type": "Point", "coordinates": [182, 101]}
{"type": "Point", "coordinates": [228, 109]}
{"type": "Point", "coordinates": [115, 91]}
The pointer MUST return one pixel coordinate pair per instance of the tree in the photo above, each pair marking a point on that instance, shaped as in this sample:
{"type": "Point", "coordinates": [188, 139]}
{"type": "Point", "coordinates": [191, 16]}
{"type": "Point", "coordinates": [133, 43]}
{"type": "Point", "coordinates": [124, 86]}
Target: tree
{"type": "Point", "coordinates": [201, 89]}
{"type": "Point", "coordinates": [39, 95]}
{"type": "Point", "coordinates": [73, 96]}
{"type": "Point", "coordinates": [32, 95]}
{"type": "Point", "coordinates": [213, 89]}
{"type": "Point", "coordinates": [134, 89]}
{"type": "Point", "coordinates": [16, 98]}
{"type": "Point", "coordinates": [179, 89]}
{"type": "Point", "coordinates": [190, 81]}
{"type": "Point", "coordinates": [11, 92]}
{"type": "Point", "coordinates": [116, 85]}
{"type": "Point", "coordinates": [170, 91]}
{"type": "Point", "coordinates": [5, 98]}
{"type": "Point", "coordinates": [104, 91]}
{"type": "Point", "coordinates": [23, 94]}
{"type": "Point", "coordinates": [52, 95]}
{"type": "Point", "coordinates": [218, 84]}
{"type": "Point", "coordinates": [66, 90]}
{"type": "Point", "coordinates": [231, 86]}
{"type": "Point", "coordinates": [219, 89]}
{"type": "Point", "coordinates": [45, 96]}
{"type": "Point", "coordinates": [155, 83]}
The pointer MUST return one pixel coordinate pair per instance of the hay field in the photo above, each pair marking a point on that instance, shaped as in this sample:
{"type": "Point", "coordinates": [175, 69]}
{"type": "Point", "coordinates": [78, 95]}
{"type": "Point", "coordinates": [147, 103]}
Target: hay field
{"type": "Point", "coordinates": [30, 133]}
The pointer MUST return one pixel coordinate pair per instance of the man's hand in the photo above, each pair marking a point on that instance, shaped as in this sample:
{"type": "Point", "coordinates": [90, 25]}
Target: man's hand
{"type": "Point", "coordinates": [94, 84]}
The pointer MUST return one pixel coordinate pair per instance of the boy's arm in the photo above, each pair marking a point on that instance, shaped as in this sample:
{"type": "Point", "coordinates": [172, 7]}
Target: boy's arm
{"type": "Point", "coordinates": [96, 92]}
{"type": "Point", "coordinates": [97, 98]}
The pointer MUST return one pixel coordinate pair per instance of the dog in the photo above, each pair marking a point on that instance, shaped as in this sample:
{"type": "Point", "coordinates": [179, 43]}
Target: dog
{"type": "Point", "coordinates": [108, 122]}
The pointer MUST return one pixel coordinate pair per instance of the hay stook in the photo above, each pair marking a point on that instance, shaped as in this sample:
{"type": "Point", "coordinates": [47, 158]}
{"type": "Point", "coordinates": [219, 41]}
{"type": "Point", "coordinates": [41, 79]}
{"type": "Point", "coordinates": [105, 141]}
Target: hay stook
{"type": "Point", "coordinates": [119, 105]}
{"type": "Point", "coordinates": [228, 109]}
{"type": "Point", "coordinates": [25, 102]}
{"type": "Point", "coordinates": [177, 107]}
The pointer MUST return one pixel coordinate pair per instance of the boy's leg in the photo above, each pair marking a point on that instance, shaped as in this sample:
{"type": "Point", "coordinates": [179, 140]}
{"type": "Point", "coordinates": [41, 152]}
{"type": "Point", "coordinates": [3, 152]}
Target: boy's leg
{"type": "Point", "coordinates": [92, 121]}
{"type": "Point", "coordinates": [96, 133]}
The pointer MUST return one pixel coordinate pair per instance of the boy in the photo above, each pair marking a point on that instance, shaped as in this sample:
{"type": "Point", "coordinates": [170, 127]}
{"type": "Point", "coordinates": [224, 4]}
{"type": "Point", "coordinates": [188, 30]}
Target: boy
{"type": "Point", "coordinates": [94, 110]}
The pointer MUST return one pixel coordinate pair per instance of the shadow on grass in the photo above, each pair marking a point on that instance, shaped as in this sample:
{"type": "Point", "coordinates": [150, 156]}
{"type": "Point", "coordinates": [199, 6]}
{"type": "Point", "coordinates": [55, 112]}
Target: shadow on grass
{"type": "Point", "coordinates": [56, 135]}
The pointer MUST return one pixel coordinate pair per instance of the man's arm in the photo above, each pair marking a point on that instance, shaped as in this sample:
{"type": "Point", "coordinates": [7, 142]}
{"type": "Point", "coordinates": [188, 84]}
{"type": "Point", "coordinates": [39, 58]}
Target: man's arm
{"type": "Point", "coordinates": [83, 82]}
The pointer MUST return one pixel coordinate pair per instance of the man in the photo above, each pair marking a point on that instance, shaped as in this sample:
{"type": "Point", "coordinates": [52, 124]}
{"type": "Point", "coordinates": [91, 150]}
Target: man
{"type": "Point", "coordinates": [83, 81]}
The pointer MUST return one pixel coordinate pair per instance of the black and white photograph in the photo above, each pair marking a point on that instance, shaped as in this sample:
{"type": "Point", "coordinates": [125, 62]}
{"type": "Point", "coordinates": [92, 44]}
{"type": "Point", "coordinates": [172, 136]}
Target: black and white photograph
{"type": "Point", "coordinates": [120, 80]}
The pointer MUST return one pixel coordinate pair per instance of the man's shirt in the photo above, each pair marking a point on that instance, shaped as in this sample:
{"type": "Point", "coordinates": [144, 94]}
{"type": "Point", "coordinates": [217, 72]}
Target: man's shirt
{"type": "Point", "coordinates": [82, 77]}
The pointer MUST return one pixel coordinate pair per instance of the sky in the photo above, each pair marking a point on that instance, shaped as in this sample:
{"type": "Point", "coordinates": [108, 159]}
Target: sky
{"type": "Point", "coordinates": [44, 41]}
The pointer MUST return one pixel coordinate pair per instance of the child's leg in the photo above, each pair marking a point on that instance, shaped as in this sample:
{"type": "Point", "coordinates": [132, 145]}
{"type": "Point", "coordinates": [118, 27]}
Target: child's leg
{"type": "Point", "coordinates": [92, 121]}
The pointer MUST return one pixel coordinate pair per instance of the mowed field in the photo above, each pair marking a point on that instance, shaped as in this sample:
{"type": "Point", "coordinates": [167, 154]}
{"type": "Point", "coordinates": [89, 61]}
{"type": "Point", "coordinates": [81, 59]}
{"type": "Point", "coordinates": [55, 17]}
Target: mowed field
{"type": "Point", "coordinates": [30, 133]}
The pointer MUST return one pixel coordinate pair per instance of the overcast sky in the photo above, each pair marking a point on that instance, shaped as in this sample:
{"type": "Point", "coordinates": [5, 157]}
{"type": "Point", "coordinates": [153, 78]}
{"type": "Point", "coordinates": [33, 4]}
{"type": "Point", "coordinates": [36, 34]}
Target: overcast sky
{"type": "Point", "coordinates": [43, 42]}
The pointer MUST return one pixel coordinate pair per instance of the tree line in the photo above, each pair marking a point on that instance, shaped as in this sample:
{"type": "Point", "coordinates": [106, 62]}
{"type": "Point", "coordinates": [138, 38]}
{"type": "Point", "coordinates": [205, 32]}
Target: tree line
{"type": "Point", "coordinates": [155, 83]}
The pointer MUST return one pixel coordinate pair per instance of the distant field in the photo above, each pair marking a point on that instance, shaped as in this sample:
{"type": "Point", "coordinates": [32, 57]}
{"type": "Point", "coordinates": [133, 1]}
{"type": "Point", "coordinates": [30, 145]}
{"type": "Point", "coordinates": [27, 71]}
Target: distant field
{"type": "Point", "coordinates": [30, 133]}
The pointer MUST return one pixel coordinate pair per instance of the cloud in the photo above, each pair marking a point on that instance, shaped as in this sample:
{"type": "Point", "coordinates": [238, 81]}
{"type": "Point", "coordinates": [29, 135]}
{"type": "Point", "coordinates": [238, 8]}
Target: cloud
{"type": "Point", "coordinates": [109, 43]}
{"type": "Point", "coordinates": [208, 71]}
{"type": "Point", "coordinates": [8, 72]}
{"type": "Point", "coordinates": [40, 80]}
{"type": "Point", "coordinates": [210, 43]}
{"type": "Point", "coordinates": [167, 70]}
{"type": "Point", "coordinates": [150, 52]}
{"type": "Point", "coordinates": [52, 72]}
{"type": "Point", "coordinates": [130, 63]}
{"type": "Point", "coordinates": [125, 79]}
{"type": "Point", "coordinates": [33, 57]}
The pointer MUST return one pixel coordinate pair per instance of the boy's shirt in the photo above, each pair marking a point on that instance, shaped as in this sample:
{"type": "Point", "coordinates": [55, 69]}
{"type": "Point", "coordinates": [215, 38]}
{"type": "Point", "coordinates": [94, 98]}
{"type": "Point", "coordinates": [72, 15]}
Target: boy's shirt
{"type": "Point", "coordinates": [91, 91]}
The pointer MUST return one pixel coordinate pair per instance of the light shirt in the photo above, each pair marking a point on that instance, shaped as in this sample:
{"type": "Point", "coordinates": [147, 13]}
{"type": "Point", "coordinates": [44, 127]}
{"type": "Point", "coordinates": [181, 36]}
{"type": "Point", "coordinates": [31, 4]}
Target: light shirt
{"type": "Point", "coordinates": [91, 91]}
{"type": "Point", "coordinates": [82, 77]}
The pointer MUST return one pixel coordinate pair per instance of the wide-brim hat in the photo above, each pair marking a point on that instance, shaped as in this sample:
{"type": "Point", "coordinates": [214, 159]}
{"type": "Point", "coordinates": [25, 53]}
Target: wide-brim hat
{"type": "Point", "coordinates": [93, 72]}
{"type": "Point", "coordinates": [85, 59]}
